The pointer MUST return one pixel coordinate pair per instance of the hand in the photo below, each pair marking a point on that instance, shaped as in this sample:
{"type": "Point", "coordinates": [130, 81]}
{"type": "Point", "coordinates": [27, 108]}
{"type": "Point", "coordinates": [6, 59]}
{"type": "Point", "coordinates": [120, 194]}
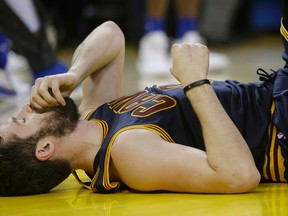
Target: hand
{"type": "Point", "coordinates": [50, 90]}
{"type": "Point", "coordinates": [190, 62]}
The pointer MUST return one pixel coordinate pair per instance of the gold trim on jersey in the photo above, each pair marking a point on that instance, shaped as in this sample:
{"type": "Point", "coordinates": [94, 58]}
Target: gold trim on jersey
{"type": "Point", "coordinates": [283, 31]}
{"type": "Point", "coordinates": [89, 114]}
{"type": "Point", "coordinates": [273, 168]}
{"type": "Point", "coordinates": [104, 130]}
{"type": "Point", "coordinates": [106, 181]}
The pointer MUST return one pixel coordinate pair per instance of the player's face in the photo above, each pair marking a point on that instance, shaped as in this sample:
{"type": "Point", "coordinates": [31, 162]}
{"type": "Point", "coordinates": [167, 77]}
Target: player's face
{"type": "Point", "coordinates": [24, 124]}
{"type": "Point", "coordinates": [55, 121]}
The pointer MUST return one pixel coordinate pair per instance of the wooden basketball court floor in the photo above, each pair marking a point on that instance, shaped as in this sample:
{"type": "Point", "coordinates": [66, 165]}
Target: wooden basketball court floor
{"type": "Point", "coordinates": [70, 199]}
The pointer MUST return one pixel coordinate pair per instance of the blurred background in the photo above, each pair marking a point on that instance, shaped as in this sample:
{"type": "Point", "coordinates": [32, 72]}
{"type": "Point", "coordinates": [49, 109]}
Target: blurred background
{"type": "Point", "coordinates": [235, 20]}
{"type": "Point", "coordinates": [246, 31]}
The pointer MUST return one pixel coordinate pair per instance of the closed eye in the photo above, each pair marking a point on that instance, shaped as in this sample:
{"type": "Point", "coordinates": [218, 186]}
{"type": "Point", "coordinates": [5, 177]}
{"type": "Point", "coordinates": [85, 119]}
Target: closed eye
{"type": "Point", "coordinates": [15, 120]}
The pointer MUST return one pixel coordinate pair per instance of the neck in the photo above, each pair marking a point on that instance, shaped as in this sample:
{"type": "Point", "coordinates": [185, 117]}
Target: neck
{"type": "Point", "coordinates": [83, 145]}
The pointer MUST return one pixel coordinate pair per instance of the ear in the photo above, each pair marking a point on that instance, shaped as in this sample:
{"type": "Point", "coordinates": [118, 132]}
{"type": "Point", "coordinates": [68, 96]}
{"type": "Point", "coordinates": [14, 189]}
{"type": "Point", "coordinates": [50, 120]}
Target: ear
{"type": "Point", "coordinates": [45, 149]}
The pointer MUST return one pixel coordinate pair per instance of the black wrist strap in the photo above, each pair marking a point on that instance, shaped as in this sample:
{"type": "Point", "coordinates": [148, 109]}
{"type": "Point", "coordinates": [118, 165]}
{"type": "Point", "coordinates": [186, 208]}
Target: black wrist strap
{"type": "Point", "coordinates": [195, 84]}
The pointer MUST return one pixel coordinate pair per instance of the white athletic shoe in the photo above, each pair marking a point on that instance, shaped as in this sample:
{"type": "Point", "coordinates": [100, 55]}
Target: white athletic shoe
{"type": "Point", "coordinates": [11, 89]}
{"type": "Point", "coordinates": [152, 54]}
{"type": "Point", "coordinates": [191, 37]}
{"type": "Point", "coordinates": [19, 66]}
{"type": "Point", "coordinates": [7, 90]}
{"type": "Point", "coordinates": [218, 61]}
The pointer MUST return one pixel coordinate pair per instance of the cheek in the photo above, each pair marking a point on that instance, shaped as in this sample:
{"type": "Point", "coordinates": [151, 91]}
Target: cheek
{"type": "Point", "coordinates": [22, 133]}
{"type": "Point", "coordinates": [27, 129]}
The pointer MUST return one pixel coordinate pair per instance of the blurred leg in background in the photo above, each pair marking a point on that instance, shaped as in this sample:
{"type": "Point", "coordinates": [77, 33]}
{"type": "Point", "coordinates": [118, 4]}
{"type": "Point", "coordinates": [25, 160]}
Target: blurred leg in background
{"type": "Point", "coordinates": [153, 58]}
{"type": "Point", "coordinates": [24, 24]}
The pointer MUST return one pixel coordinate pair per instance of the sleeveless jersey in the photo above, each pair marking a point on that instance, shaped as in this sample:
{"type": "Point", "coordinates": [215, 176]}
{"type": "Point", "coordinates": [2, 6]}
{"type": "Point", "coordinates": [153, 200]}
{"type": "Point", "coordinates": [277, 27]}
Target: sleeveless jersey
{"type": "Point", "coordinates": [257, 109]}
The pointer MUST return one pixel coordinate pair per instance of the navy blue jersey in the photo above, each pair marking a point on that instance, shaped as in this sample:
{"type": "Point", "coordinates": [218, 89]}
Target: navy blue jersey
{"type": "Point", "coordinates": [167, 111]}
{"type": "Point", "coordinates": [257, 109]}
{"type": "Point", "coordinates": [276, 155]}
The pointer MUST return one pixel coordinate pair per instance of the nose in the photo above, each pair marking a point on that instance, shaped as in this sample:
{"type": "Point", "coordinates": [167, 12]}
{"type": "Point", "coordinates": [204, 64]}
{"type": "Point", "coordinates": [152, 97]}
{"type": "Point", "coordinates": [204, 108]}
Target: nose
{"type": "Point", "coordinates": [25, 110]}
{"type": "Point", "coordinates": [28, 108]}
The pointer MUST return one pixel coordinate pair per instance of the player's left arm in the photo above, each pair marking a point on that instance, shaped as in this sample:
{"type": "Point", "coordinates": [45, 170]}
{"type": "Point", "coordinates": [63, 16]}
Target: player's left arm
{"type": "Point", "coordinates": [100, 62]}
{"type": "Point", "coordinates": [97, 63]}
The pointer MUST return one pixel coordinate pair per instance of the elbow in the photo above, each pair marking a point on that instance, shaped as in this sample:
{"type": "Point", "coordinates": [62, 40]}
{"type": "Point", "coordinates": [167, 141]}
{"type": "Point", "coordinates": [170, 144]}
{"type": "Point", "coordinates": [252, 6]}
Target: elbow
{"type": "Point", "coordinates": [114, 31]}
{"type": "Point", "coordinates": [244, 182]}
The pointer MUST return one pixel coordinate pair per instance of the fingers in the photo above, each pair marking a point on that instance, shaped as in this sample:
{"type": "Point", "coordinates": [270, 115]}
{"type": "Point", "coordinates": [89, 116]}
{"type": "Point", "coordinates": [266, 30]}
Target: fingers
{"type": "Point", "coordinates": [46, 93]}
{"type": "Point", "coordinates": [189, 47]}
{"type": "Point", "coordinates": [57, 93]}
{"type": "Point", "coordinates": [190, 62]}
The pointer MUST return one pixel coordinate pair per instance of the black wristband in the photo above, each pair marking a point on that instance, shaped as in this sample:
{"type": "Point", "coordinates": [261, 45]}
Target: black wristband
{"type": "Point", "coordinates": [195, 84]}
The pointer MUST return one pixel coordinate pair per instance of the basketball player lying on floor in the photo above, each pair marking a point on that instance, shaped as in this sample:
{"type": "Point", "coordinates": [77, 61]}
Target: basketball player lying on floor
{"type": "Point", "coordinates": [213, 137]}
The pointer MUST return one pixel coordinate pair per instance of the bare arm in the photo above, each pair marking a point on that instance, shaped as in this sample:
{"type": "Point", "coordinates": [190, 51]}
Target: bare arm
{"type": "Point", "coordinates": [227, 152]}
{"type": "Point", "coordinates": [97, 63]}
{"type": "Point", "coordinates": [227, 166]}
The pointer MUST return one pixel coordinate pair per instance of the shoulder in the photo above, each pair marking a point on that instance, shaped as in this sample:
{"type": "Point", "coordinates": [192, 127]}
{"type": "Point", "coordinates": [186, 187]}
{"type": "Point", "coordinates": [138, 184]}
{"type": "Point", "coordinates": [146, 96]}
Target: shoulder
{"type": "Point", "coordinates": [133, 156]}
{"type": "Point", "coordinates": [126, 142]}
{"type": "Point", "coordinates": [85, 113]}
{"type": "Point", "coordinates": [136, 135]}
